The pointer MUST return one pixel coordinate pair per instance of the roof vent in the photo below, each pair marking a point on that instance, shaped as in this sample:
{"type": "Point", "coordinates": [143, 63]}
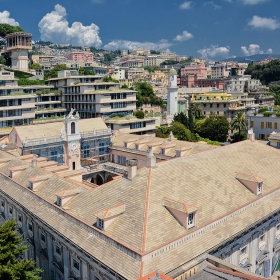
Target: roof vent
{"type": "Point", "coordinates": [151, 159]}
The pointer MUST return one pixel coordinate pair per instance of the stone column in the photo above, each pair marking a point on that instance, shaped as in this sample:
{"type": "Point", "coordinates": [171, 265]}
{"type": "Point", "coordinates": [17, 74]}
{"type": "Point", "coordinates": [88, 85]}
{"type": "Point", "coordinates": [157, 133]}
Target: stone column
{"type": "Point", "coordinates": [66, 261]}
{"type": "Point", "coordinates": [50, 250]}
{"type": "Point", "coordinates": [85, 270]}
{"type": "Point", "coordinates": [36, 237]}
{"type": "Point", "coordinates": [254, 252]}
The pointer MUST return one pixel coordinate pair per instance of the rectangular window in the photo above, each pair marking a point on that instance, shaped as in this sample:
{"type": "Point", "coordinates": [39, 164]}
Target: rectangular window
{"type": "Point", "coordinates": [58, 250]}
{"type": "Point", "coordinates": [30, 227]}
{"type": "Point", "coordinates": [211, 105]}
{"type": "Point", "coordinates": [113, 158]}
{"type": "Point", "coordinates": [251, 123]}
{"type": "Point", "coordinates": [218, 105]}
{"type": "Point", "coordinates": [243, 251]}
{"type": "Point", "coordinates": [268, 124]}
{"type": "Point", "coordinates": [259, 188]}
{"type": "Point", "coordinates": [275, 125]}
{"type": "Point", "coordinates": [43, 237]}
{"type": "Point", "coordinates": [262, 124]}
{"type": "Point", "coordinates": [19, 217]}
{"type": "Point", "coordinates": [59, 201]}
{"type": "Point", "coordinates": [100, 223]}
{"type": "Point", "coordinates": [191, 220]}
{"type": "Point", "coordinates": [76, 264]}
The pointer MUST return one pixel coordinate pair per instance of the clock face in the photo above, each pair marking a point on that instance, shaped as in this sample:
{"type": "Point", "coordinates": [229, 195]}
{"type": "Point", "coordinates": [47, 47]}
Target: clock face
{"type": "Point", "coordinates": [74, 146]}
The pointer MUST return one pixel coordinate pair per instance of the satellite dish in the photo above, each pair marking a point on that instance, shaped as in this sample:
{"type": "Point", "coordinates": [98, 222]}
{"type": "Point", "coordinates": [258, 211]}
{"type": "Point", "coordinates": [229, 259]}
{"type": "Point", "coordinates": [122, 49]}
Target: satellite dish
{"type": "Point", "coordinates": [250, 131]}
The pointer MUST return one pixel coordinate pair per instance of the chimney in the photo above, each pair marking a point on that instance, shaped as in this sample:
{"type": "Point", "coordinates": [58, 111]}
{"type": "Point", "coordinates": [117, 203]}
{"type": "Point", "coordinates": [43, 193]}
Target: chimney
{"type": "Point", "coordinates": [34, 162]}
{"type": "Point", "coordinates": [131, 168]}
{"type": "Point", "coordinates": [151, 159]}
{"type": "Point", "coordinates": [251, 134]}
{"type": "Point", "coordinates": [171, 136]}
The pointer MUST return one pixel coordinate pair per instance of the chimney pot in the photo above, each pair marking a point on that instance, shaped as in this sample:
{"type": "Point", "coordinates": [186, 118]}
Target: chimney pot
{"type": "Point", "coordinates": [132, 168]}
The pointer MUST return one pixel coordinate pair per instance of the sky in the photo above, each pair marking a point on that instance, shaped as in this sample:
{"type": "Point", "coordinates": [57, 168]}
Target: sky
{"type": "Point", "coordinates": [215, 29]}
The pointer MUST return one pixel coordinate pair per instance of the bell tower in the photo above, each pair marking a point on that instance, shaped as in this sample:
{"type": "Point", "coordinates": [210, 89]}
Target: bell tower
{"type": "Point", "coordinates": [172, 95]}
{"type": "Point", "coordinates": [72, 138]}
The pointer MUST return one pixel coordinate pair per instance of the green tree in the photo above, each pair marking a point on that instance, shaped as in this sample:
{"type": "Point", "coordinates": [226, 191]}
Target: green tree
{"type": "Point", "coordinates": [215, 128]}
{"type": "Point", "coordinates": [239, 123]}
{"type": "Point", "coordinates": [191, 123]}
{"type": "Point", "coordinates": [109, 79]}
{"type": "Point", "coordinates": [275, 89]}
{"type": "Point", "coordinates": [196, 108]}
{"type": "Point", "coordinates": [181, 118]}
{"type": "Point", "coordinates": [53, 72]}
{"type": "Point", "coordinates": [162, 131]}
{"type": "Point", "coordinates": [139, 114]}
{"type": "Point", "coordinates": [181, 132]}
{"type": "Point", "coordinates": [11, 248]}
{"type": "Point", "coordinates": [2, 60]}
{"type": "Point", "coordinates": [6, 29]}
{"type": "Point", "coordinates": [36, 66]}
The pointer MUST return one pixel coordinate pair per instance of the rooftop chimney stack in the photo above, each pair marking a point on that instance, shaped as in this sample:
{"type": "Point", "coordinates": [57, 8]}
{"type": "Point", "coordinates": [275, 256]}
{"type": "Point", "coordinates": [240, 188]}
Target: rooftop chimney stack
{"type": "Point", "coordinates": [34, 162]}
{"type": "Point", "coordinates": [171, 136]}
{"type": "Point", "coordinates": [151, 159]}
{"type": "Point", "coordinates": [131, 168]}
{"type": "Point", "coordinates": [251, 134]}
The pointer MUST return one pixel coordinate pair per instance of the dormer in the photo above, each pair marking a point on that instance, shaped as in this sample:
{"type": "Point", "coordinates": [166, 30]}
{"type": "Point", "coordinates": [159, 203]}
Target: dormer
{"type": "Point", "coordinates": [251, 182]}
{"type": "Point", "coordinates": [166, 148]}
{"type": "Point", "coordinates": [38, 180]}
{"type": "Point", "coordinates": [16, 170]}
{"type": "Point", "coordinates": [184, 213]}
{"type": "Point", "coordinates": [107, 216]}
{"type": "Point", "coordinates": [140, 144]}
{"type": "Point", "coordinates": [128, 142]}
{"type": "Point", "coordinates": [65, 195]}
{"type": "Point", "coordinates": [182, 151]}
{"type": "Point", "coordinates": [75, 175]}
{"type": "Point", "coordinates": [153, 146]}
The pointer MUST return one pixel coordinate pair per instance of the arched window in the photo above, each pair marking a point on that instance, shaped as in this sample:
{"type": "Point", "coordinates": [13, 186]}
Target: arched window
{"type": "Point", "coordinates": [73, 128]}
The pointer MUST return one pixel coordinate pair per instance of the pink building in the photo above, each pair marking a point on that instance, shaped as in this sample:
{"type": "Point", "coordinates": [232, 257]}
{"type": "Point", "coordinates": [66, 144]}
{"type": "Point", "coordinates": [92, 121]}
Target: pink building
{"type": "Point", "coordinates": [196, 69]}
{"type": "Point", "coordinates": [78, 55]}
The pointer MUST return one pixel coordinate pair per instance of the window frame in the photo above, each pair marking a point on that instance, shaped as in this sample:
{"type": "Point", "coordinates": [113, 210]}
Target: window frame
{"type": "Point", "coordinates": [192, 224]}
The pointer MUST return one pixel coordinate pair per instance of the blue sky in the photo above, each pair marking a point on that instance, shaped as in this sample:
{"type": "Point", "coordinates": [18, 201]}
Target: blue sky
{"type": "Point", "coordinates": [212, 29]}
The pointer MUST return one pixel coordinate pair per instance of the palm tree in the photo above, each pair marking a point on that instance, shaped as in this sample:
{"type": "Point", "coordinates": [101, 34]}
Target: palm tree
{"type": "Point", "coordinates": [239, 122]}
{"type": "Point", "coordinates": [196, 108]}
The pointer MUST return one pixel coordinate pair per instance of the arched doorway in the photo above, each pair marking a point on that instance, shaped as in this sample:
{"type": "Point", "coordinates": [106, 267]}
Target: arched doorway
{"type": "Point", "coordinates": [99, 180]}
{"type": "Point", "coordinates": [109, 178]}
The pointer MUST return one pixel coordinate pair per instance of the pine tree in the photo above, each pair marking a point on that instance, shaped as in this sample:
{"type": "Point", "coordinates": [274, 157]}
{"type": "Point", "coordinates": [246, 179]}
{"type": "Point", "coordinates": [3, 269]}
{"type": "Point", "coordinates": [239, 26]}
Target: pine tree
{"type": "Point", "coordinates": [11, 248]}
{"type": "Point", "coordinates": [191, 123]}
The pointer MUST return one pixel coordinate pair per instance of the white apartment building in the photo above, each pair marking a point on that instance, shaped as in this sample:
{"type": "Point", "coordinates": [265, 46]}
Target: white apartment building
{"type": "Point", "coordinates": [153, 60]}
{"type": "Point", "coordinates": [219, 70]}
{"type": "Point", "coordinates": [243, 84]}
{"type": "Point", "coordinates": [263, 126]}
{"type": "Point", "coordinates": [92, 97]}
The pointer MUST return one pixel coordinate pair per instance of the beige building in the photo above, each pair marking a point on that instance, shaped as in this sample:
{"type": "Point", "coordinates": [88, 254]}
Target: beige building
{"type": "Point", "coordinates": [166, 215]}
{"type": "Point", "coordinates": [127, 146]}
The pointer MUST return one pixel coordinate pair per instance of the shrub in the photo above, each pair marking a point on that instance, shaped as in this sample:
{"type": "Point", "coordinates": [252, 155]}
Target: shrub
{"type": "Point", "coordinates": [267, 114]}
{"type": "Point", "coordinates": [139, 114]}
{"type": "Point", "coordinates": [262, 110]}
{"type": "Point", "coordinates": [277, 114]}
{"type": "Point", "coordinates": [243, 136]}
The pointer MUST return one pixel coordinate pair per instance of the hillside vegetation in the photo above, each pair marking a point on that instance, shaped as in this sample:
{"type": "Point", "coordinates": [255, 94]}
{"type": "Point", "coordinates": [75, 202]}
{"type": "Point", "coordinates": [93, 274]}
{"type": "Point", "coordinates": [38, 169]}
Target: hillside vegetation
{"type": "Point", "coordinates": [266, 73]}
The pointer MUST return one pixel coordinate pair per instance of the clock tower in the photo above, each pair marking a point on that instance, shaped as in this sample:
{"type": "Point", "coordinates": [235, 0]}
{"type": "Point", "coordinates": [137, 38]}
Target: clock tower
{"type": "Point", "coordinates": [72, 138]}
{"type": "Point", "coordinates": [172, 93]}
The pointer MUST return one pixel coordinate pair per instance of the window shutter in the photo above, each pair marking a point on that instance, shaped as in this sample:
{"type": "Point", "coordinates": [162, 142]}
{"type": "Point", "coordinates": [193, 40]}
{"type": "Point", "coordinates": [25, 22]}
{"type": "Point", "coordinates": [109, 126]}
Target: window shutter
{"type": "Point", "coordinates": [252, 124]}
{"type": "Point", "coordinates": [262, 124]}
{"type": "Point", "coordinates": [275, 125]}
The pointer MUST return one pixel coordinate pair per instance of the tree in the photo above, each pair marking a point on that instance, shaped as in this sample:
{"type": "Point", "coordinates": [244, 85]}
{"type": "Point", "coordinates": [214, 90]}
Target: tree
{"type": "Point", "coordinates": [53, 72]}
{"type": "Point", "coordinates": [239, 123]}
{"type": "Point", "coordinates": [139, 114]}
{"type": "Point", "coordinates": [36, 66]}
{"type": "Point", "coordinates": [196, 108]}
{"type": "Point", "coordinates": [181, 118]}
{"type": "Point", "coordinates": [215, 128]}
{"type": "Point", "coordinates": [162, 131]}
{"type": "Point", "coordinates": [181, 132]}
{"type": "Point", "coordinates": [11, 248]}
{"type": "Point", "coordinates": [2, 60]}
{"type": "Point", "coordinates": [6, 29]}
{"type": "Point", "coordinates": [109, 79]}
{"type": "Point", "coordinates": [191, 123]}
{"type": "Point", "coordinates": [275, 89]}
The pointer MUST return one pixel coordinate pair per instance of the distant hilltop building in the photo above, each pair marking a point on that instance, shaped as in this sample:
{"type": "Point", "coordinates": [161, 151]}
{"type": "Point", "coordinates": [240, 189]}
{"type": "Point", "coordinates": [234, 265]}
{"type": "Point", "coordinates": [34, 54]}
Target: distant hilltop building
{"type": "Point", "coordinates": [18, 45]}
{"type": "Point", "coordinates": [77, 55]}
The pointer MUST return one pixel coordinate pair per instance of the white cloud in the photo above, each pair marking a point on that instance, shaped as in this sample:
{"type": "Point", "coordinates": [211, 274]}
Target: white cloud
{"type": "Point", "coordinates": [215, 6]}
{"type": "Point", "coordinates": [130, 45]}
{"type": "Point", "coordinates": [252, 49]}
{"type": "Point", "coordinates": [214, 52]}
{"type": "Point", "coordinates": [186, 5]}
{"type": "Point", "coordinates": [5, 18]}
{"type": "Point", "coordinates": [184, 37]}
{"type": "Point", "coordinates": [55, 27]}
{"type": "Point", "coordinates": [253, 2]}
{"type": "Point", "coordinates": [269, 51]}
{"type": "Point", "coordinates": [265, 23]}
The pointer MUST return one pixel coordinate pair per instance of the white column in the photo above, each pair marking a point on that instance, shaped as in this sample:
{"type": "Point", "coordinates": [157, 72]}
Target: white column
{"type": "Point", "coordinates": [254, 252]}
{"type": "Point", "coordinates": [66, 262]}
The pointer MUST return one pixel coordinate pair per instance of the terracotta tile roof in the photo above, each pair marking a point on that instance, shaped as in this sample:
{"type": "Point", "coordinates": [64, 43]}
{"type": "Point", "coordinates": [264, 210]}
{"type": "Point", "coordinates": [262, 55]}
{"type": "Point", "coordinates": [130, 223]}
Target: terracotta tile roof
{"type": "Point", "coordinates": [178, 205]}
{"type": "Point", "coordinates": [110, 212]}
